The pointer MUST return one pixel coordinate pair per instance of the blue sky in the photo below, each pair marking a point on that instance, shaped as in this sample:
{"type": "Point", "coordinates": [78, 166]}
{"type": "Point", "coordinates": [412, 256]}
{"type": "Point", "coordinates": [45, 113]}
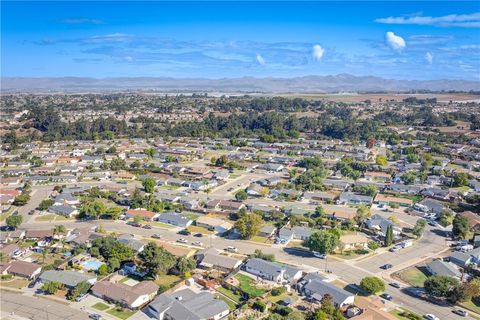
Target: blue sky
{"type": "Point", "coordinates": [402, 40]}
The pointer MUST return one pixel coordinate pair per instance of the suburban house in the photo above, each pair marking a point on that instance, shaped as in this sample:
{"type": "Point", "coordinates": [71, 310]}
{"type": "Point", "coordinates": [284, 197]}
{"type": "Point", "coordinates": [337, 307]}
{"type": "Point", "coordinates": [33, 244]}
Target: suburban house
{"type": "Point", "coordinates": [380, 224]}
{"type": "Point", "coordinates": [354, 241]}
{"type": "Point", "coordinates": [23, 269]}
{"type": "Point", "coordinates": [353, 198]}
{"type": "Point", "coordinates": [39, 234]}
{"type": "Point", "coordinates": [285, 234]}
{"type": "Point", "coordinates": [129, 240]}
{"type": "Point", "coordinates": [142, 213]}
{"type": "Point", "coordinates": [462, 259]}
{"type": "Point", "coordinates": [68, 278]}
{"type": "Point", "coordinates": [186, 304]}
{"type": "Point", "coordinates": [231, 205]}
{"type": "Point", "coordinates": [218, 225]}
{"type": "Point", "coordinates": [128, 296]}
{"type": "Point", "coordinates": [174, 219]}
{"type": "Point", "coordinates": [315, 287]}
{"type": "Point", "coordinates": [63, 210]}
{"type": "Point", "coordinates": [442, 268]}
{"type": "Point", "coordinates": [267, 231]}
{"type": "Point", "coordinates": [211, 258]}
{"type": "Point", "coordinates": [273, 271]}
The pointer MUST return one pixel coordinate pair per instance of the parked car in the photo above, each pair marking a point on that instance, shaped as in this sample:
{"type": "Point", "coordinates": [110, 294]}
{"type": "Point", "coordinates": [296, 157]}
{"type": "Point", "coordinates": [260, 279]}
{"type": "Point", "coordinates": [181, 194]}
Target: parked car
{"type": "Point", "coordinates": [430, 316]}
{"type": "Point", "coordinates": [386, 296]}
{"type": "Point", "coordinates": [395, 285]}
{"type": "Point", "coordinates": [95, 316]}
{"type": "Point", "coordinates": [386, 266]}
{"type": "Point", "coordinates": [395, 248]}
{"type": "Point", "coordinates": [147, 226]}
{"type": "Point", "coordinates": [460, 312]}
{"type": "Point", "coordinates": [133, 224]}
{"type": "Point", "coordinates": [319, 255]}
{"type": "Point", "coordinates": [197, 243]}
{"type": "Point", "coordinates": [156, 236]}
{"type": "Point", "coordinates": [31, 212]}
{"type": "Point", "coordinates": [184, 232]}
{"type": "Point", "coordinates": [231, 249]}
{"type": "Point", "coordinates": [198, 235]}
{"type": "Point", "coordinates": [181, 240]}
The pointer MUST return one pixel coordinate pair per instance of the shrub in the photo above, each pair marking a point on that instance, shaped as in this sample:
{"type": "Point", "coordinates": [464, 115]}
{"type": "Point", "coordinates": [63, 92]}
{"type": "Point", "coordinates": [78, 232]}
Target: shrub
{"type": "Point", "coordinates": [278, 291]}
{"type": "Point", "coordinates": [6, 276]}
{"type": "Point", "coordinates": [260, 306]}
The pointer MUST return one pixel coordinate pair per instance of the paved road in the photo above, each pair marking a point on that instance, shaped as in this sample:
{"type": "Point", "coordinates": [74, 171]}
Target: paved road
{"type": "Point", "coordinates": [16, 305]}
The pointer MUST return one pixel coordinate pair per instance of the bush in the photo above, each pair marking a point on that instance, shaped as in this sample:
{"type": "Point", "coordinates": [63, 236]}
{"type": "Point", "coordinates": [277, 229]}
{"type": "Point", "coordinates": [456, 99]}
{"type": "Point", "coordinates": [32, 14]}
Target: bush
{"type": "Point", "coordinates": [410, 316]}
{"type": "Point", "coordinates": [278, 291]}
{"type": "Point", "coordinates": [372, 285]}
{"type": "Point", "coordinates": [260, 306]}
{"type": "Point", "coordinates": [6, 276]}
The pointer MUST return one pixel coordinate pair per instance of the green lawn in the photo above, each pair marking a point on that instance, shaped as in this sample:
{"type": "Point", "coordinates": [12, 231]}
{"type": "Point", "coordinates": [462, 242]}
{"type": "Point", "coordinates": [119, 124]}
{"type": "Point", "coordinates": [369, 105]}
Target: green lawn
{"type": "Point", "coordinates": [196, 229]}
{"type": "Point", "coordinates": [51, 217]}
{"type": "Point", "coordinates": [168, 187]}
{"type": "Point", "coordinates": [121, 313]}
{"type": "Point", "coordinates": [231, 305]}
{"type": "Point", "coordinates": [413, 276]}
{"type": "Point", "coordinates": [100, 306]}
{"type": "Point", "coordinates": [259, 239]}
{"type": "Point", "coordinates": [191, 215]}
{"type": "Point", "coordinates": [229, 293]}
{"type": "Point", "coordinates": [402, 313]}
{"type": "Point", "coordinates": [159, 224]}
{"type": "Point", "coordinates": [167, 279]}
{"type": "Point", "coordinates": [246, 285]}
{"type": "Point", "coordinates": [473, 305]}
{"type": "Point", "coordinates": [5, 215]}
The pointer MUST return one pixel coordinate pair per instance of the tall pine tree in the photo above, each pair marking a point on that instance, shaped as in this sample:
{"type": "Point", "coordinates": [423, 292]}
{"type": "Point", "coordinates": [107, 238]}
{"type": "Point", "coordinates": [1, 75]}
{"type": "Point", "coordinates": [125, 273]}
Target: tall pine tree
{"type": "Point", "coordinates": [389, 236]}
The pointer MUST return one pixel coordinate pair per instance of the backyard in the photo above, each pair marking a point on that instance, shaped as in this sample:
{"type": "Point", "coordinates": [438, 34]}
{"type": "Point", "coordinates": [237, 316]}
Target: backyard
{"type": "Point", "coordinates": [230, 294]}
{"type": "Point", "coordinates": [246, 284]}
{"type": "Point", "coordinates": [121, 313]}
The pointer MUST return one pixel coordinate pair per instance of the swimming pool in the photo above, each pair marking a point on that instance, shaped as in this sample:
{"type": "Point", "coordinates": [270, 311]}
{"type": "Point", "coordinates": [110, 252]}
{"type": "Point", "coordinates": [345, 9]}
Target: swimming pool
{"type": "Point", "coordinates": [92, 265]}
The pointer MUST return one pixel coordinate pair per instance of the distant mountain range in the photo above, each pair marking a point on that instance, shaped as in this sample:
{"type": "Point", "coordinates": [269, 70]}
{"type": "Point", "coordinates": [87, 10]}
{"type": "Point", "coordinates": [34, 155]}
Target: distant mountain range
{"type": "Point", "coordinates": [307, 84]}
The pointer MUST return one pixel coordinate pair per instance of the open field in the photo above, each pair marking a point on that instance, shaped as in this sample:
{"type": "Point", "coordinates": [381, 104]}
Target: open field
{"type": "Point", "coordinates": [413, 276]}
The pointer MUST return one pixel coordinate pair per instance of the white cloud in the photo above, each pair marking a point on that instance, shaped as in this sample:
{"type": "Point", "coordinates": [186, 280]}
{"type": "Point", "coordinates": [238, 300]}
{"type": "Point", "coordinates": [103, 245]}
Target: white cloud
{"type": "Point", "coordinates": [317, 52]}
{"type": "Point", "coordinates": [397, 43]}
{"type": "Point", "coordinates": [429, 57]}
{"type": "Point", "coordinates": [260, 59]}
{"type": "Point", "coordinates": [453, 20]}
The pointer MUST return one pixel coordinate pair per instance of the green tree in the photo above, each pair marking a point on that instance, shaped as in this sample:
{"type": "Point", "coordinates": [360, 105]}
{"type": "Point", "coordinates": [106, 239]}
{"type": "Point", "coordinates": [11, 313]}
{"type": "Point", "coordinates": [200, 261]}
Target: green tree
{"type": "Point", "coordinates": [461, 227]}
{"type": "Point", "coordinates": [45, 204]}
{"type": "Point", "coordinates": [389, 236]}
{"type": "Point", "coordinates": [241, 195]}
{"type": "Point", "coordinates": [59, 229]}
{"type": "Point", "coordinates": [372, 285]}
{"type": "Point", "coordinates": [373, 245]}
{"type": "Point", "coordinates": [248, 225]}
{"type": "Point", "coordinates": [150, 152]}
{"type": "Point", "coordinates": [419, 227]}
{"type": "Point", "coordinates": [78, 290]}
{"type": "Point", "coordinates": [149, 185]}
{"type": "Point", "coordinates": [21, 200]}
{"type": "Point", "coordinates": [51, 287]}
{"type": "Point", "coordinates": [440, 286]}
{"type": "Point", "coordinates": [156, 259]}
{"type": "Point", "coordinates": [408, 178]}
{"type": "Point", "coordinates": [460, 179]}
{"type": "Point", "coordinates": [14, 221]}
{"type": "Point", "coordinates": [185, 264]}
{"type": "Point", "coordinates": [363, 213]}
{"type": "Point", "coordinates": [102, 270]}
{"type": "Point", "coordinates": [446, 218]}
{"type": "Point", "coordinates": [323, 241]}
{"type": "Point", "coordinates": [114, 212]}
{"type": "Point", "coordinates": [381, 160]}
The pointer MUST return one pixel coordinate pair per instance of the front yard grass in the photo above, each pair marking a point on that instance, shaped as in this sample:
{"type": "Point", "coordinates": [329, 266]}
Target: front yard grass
{"type": "Point", "coordinates": [14, 283]}
{"type": "Point", "coordinates": [51, 217]}
{"type": "Point", "coordinates": [401, 314]}
{"type": "Point", "coordinates": [472, 305]}
{"type": "Point", "coordinates": [121, 313]}
{"type": "Point", "coordinates": [100, 306]}
{"type": "Point", "coordinates": [414, 276]}
{"type": "Point", "coordinates": [259, 239]}
{"type": "Point", "coordinates": [246, 285]}
{"type": "Point", "coordinates": [197, 229]}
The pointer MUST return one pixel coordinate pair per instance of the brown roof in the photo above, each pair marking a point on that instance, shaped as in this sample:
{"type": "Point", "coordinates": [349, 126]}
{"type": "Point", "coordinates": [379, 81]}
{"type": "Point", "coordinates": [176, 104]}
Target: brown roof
{"type": "Point", "coordinates": [373, 309]}
{"type": "Point", "coordinates": [473, 218]}
{"type": "Point", "coordinates": [122, 292]}
{"type": "Point", "coordinates": [23, 268]}
{"type": "Point", "coordinates": [141, 213]}
{"type": "Point", "coordinates": [9, 249]}
{"type": "Point", "coordinates": [39, 234]}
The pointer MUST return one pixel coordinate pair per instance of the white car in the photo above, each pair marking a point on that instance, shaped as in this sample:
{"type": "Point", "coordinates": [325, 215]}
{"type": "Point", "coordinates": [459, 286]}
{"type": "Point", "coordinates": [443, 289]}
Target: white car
{"type": "Point", "coordinates": [319, 255]}
{"type": "Point", "coordinates": [395, 249]}
{"type": "Point", "coordinates": [430, 316]}
{"type": "Point", "coordinates": [181, 240]}
{"type": "Point", "coordinates": [197, 243]}
{"type": "Point", "coordinates": [231, 249]}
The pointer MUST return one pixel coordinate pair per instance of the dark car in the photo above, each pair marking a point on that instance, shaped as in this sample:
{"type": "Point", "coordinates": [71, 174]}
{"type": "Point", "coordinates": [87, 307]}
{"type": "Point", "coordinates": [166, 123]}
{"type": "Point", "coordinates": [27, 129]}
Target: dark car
{"type": "Point", "coordinates": [184, 232]}
{"type": "Point", "coordinates": [386, 266]}
{"type": "Point", "coordinates": [386, 296]}
{"type": "Point", "coordinates": [198, 235]}
{"type": "Point", "coordinates": [133, 224]}
{"type": "Point", "coordinates": [156, 236]}
{"type": "Point", "coordinates": [460, 312]}
{"type": "Point", "coordinates": [395, 285]}
{"type": "Point", "coordinates": [31, 212]}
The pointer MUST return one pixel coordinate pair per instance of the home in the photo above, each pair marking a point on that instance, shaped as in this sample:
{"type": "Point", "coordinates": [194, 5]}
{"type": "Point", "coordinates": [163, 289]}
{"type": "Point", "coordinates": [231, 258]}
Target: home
{"type": "Point", "coordinates": [218, 225]}
{"type": "Point", "coordinates": [231, 205]}
{"type": "Point", "coordinates": [213, 258]}
{"type": "Point", "coordinates": [352, 198]}
{"type": "Point", "coordinates": [23, 269]}
{"type": "Point", "coordinates": [84, 235]}
{"type": "Point", "coordinates": [256, 190]}
{"type": "Point", "coordinates": [39, 234]}
{"type": "Point", "coordinates": [273, 271]}
{"type": "Point", "coordinates": [63, 210]}
{"type": "Point", "coordinates": [461, 259]}
{"type": "Point", "coordinates": [11, 251]}
{"type": "Point", "coordinates": [405, 189]}
{"type": "Point", "coordinates": [127, 296]}
{"type": "Point", "coordinates": [442, 268]}
{"type": "Point", "coordinates": [319, 196]}
{"type": "Point", "coordinates": [380, 224]}
{"type": "Point", "coordinates": [354, 241]}
{"type": "Point", "coordinates": [142, 213]}
{"type": "Point", "coordinates": [430, 205]}
{"type": "Point", "coordinates": [130, 241]}
{"type": "Point", "coordinates": [473, 218]}
{"type": "Point", "coordinates": [186, 304]}
{"type": "Point", "coordinates": [189, 203]}
{"type": "Point", "coordinates": [285, 235]}
{"type": "Point", "coordinates": [68, 278]}
{"type": "Point", "coordinates": [174, 219]}
{"type": "Point", "coordinates": [339, 212]}
{"type": "Point", "coordinates": [267, 231]}
{"type": "Point", "coordinates": [66, 198]}
{"type": "Point", "coordinates": [385, 200]}
{"type": "Point", "coordinates": [377, 176]}
{"type": "Point", "coordinates": [335, 184]}
{"type": "Point", "coordinates": [315, 288]}
{"type": "Point", "coordinates": [301, 233]}
{"type": "Point", "coordinates": [12, 236]}
{"type": "Point", "coordinates": [272, 167]}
